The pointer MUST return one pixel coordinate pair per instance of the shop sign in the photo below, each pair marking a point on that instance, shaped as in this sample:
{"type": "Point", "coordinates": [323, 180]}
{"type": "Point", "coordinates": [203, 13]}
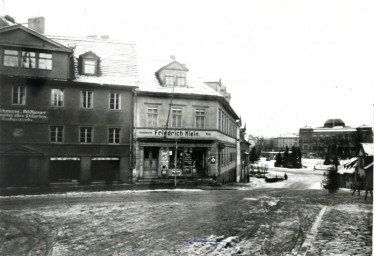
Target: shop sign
{"type": "Point", "coordinates": [24, 115]}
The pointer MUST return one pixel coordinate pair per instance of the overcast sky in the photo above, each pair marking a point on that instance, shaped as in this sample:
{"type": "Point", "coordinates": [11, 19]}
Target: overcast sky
{"type": "Point", "coordinates": [287, 64]}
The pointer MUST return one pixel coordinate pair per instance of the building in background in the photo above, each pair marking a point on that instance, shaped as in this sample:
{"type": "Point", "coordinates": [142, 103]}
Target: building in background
{"type": "Point", "coordinates": [334, 139]}
{"type": "Point", "coordinates": [286, 140]}
{"type": "Point", "coordinates": [66, 108]}
{"type": "Point", "coordinates": [183, 126]}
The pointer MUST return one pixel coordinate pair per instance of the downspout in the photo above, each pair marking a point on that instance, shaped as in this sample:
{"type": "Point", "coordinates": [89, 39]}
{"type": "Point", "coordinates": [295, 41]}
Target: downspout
{"type": "Point", "coordinates": [132, 128]}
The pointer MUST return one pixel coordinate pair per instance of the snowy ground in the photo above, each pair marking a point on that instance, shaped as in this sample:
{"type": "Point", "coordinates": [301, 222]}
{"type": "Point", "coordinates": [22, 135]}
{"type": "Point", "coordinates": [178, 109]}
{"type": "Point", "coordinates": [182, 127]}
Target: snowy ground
{"type": "Point", "coordinates": [257, 219]}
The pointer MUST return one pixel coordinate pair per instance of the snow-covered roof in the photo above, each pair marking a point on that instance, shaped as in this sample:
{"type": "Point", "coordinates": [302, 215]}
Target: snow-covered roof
{"type": "Point", "coordinates": [368, 148]}
{"type": "Point", "coordinates": [148, 81]}
{"type": "Point", "coordinates": [117, 60]}
{"type": "Point", "coordinates": [335, 129]}
{"type": "Point", "coordinates": [348, 170]}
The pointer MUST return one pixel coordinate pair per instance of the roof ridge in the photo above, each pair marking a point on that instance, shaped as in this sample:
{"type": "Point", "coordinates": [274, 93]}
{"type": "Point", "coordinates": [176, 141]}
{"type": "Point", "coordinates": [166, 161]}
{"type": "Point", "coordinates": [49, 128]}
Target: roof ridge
{"type": "Point", "coordinates": [91, 39]}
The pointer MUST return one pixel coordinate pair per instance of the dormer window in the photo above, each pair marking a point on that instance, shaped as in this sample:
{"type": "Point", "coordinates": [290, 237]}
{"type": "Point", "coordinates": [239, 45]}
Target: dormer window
{"type": "Point", "coordinates": [181, 79]}
{"type": "Point", "coordinates": [89, 64]}
{"type": "Point", "coordinates": [89, 67]}
{"type": "Point", "coordinates": [169, 80]}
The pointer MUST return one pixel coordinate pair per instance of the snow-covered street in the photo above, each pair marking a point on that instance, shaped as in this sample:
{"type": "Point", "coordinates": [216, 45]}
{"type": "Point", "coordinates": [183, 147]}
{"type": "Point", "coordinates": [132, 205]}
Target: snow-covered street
{"type": "Point", "coordinates": [255, 219]}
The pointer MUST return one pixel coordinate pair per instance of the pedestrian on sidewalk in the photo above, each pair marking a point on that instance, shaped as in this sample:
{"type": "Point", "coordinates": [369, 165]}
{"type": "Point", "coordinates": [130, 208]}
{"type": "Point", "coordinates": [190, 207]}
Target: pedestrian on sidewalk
{"type": "Point", "coordinates": [285, 176]}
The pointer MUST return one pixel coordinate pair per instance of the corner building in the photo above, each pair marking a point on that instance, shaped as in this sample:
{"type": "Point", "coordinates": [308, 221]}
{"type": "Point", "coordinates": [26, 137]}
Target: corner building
{"type": "Point", "coordinates": [183, 126]}
{"type": "Point", "coordinates": [66, 108]}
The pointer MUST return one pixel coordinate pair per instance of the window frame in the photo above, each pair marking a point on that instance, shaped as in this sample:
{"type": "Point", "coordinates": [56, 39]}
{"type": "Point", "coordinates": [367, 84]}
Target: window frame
{"type": "Point", "coordinates": [30, 57]}
{"type": "Point", "coordinates": [62, 100]}
{"type": "Point", "coordinates": [87, 130]}
{"type": "Point", "coordinates": [19, 98]}
{"type": "Point", "coordinates": [179, 77]}
{"type": "Point", "coordinates": [148, 115]}
{"type": "Point", "coordinates": [83, 101]}
{"type": "Point", "coordinates": [118, 98]}
{"type": "Point", "coordinates": [114, 137]}
{"type": "Point", "coordinates": [46, 60]}
{"type": "Point", "coordinates": [168, 78]}
{"type": "Point", "coordinates": [201, 117]}
{"type": "Point", "coordinates": [5, 55]}
{"type": "Point", "coordinates": [84, 71]}
{"type": "Point", "coordinates": [62, 134]}
{"type": "Point", "coordinates": [180, 116]}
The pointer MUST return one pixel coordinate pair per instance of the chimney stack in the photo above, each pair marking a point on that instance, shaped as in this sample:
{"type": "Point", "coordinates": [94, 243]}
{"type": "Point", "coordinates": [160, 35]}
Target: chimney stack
{"type": "Point", "coordinates": [37, 24]}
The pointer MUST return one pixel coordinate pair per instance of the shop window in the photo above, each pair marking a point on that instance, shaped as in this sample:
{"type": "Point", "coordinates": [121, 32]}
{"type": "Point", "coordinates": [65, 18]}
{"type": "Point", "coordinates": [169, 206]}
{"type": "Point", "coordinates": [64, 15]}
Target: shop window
{"type": "Point", "coordinates": [114, 135]}
{"type": "Point", "coordinates": [56, 133]}
{"type": "Point", "coordinates": [45, 61]}
{"type": "Point", "coordinates": [152, 114]}
{"type": "Point", "coordinates": [10, 58]}
{"type": "Point", "coordinates": [85, 135]}
{"type": "Point", "coordinates": [176, 117]}
{"type": "Point", "coordinates": [115, 101]}
{"type": "Point", "coordinates": [57, 97]}
{"type": "Point", "coordinates": [87, 99]}
{"type": "Point", "coordinates": [28, 59]}
{"type": "Point", "coordinates": [19, 95]}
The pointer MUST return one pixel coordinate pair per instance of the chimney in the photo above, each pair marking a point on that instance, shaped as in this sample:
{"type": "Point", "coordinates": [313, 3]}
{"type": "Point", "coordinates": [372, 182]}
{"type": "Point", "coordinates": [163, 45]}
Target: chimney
{"type": "Point", "coordinates": [37, 24]}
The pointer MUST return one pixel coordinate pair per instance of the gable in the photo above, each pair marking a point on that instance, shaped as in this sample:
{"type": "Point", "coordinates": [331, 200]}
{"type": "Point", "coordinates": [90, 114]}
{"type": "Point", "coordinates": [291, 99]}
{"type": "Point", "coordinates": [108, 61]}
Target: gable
{"type": "Point", "coordinates": [89, 54]}
{"type": "Point", "coordinates": [19, 36]}
{"type": "Point", "coordinates": [175, 65]}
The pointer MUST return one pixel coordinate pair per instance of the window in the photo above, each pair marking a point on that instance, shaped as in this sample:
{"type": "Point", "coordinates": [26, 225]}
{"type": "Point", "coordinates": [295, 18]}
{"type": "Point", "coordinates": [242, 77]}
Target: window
{"type": "Point", "coordinates": [56, 133]}
{"type": "Point", "coordinates": [176, 117]}
{"type": "Point", "coordinates": [169, 80]}
{"type": "Point", "coordinates": [45, 61]}
{"type": "Point", "coordinates": [181, 79]}
{"type": "Point", "coordinates": [85, 135]}
{"type": "Point", "coordinates": [19, 95]}
{"type": "Point", "coordinates": [28, 59]}
{"type": "Point", "coordinates": [152, 117]}
{"type": "Point", "coordinates": [57, 98]}
{"type": "Point", "coordinates": [87, 99]}
{"type": "Point", "coordinates": [115, 101]}
{"type": "Point", "coordinates": [114, 135]}
{"type": "Point", "coordinates": [200, 118]}
{"type": "Point", "coordinates": [10, 58]}
{"type": "Point", "coordinates": [89, 67]}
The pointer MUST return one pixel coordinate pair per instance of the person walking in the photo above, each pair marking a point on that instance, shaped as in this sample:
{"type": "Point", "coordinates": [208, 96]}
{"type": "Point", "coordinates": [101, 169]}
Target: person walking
{"type": "Point", "coordinates": [285, 176]}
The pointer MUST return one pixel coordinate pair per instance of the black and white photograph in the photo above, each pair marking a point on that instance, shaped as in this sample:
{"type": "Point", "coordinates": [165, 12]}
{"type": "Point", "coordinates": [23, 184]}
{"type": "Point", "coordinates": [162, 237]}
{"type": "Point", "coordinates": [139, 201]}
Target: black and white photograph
{"type": "Point", "coordinates": [176, 127]}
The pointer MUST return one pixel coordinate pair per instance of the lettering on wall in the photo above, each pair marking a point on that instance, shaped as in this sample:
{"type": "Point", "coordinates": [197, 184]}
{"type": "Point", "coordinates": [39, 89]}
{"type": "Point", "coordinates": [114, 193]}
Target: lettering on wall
{"type": "Point", "coordinates": [24, 115]}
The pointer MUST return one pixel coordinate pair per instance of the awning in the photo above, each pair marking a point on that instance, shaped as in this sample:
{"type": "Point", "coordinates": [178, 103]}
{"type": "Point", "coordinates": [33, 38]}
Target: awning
{"type": "Point", "coordinates": [65, 159]}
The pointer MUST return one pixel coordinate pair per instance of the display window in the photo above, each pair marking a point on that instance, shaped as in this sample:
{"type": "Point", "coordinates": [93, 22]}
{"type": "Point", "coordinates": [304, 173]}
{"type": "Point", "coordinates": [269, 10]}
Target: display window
{"type": "Point", "coordinates": [189, 161]}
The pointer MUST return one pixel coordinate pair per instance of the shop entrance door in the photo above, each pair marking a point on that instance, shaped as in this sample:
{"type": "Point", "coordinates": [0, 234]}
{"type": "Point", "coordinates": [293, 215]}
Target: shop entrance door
{"type": "Point", "coordinates": [150, 162]}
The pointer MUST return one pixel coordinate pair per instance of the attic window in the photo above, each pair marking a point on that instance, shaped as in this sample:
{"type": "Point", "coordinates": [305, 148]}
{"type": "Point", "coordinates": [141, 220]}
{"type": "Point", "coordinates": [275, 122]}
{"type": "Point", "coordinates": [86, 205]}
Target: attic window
{"type": "Point", "coordinates": [169, 80]}
{"type": "Point", "coordinates": [88, 64]}
{"type": "Point", "coordinates": [89, 67]}
{"type": "Point", "coordinates": [181, 79]}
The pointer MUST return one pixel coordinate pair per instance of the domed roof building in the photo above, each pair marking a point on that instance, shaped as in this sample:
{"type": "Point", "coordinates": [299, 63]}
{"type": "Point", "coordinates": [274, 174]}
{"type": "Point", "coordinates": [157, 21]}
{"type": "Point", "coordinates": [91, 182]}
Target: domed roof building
{"type": "Point", "coordinates": [334, 138]}
{"type": "Point", "coordinates": [330, 123]}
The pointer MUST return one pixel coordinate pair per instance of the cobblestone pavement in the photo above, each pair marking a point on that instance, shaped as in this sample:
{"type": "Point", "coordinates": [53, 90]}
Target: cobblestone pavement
{"type": "Point", "coordinates": [345, 230]}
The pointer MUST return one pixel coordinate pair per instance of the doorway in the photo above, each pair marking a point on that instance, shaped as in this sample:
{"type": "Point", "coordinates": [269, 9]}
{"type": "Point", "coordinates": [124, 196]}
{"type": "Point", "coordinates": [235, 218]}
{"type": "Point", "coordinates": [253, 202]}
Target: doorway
{"type": "Point", "coordinates": [150, 162]}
